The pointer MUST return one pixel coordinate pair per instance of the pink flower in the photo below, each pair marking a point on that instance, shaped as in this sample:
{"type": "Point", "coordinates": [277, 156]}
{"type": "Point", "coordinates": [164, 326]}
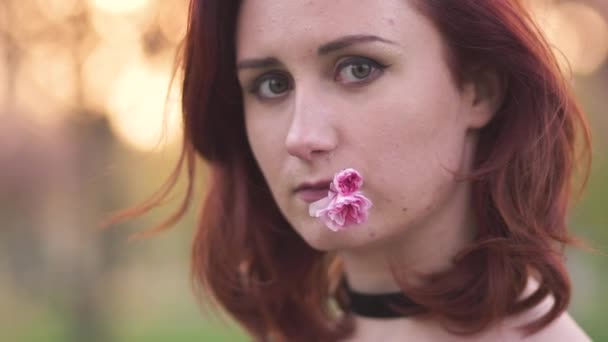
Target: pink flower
{"type": "Point", "coordinates": [347, 182]}
{"type": "Point", "coordinates": [344, 207]}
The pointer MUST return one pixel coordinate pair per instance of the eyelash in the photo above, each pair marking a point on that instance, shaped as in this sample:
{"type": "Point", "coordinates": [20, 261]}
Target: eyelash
{"type": "Point", "coordinates": [376, 70]}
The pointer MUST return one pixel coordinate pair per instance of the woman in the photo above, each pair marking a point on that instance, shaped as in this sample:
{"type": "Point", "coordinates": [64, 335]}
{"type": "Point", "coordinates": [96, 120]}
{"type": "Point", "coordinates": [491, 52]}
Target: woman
{"type": "Point", "coordinates": [457, 118]}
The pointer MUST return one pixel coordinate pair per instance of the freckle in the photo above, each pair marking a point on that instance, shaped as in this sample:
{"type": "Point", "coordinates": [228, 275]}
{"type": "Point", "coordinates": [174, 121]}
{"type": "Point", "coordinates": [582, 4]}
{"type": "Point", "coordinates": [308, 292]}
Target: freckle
{"type": "Point", "coordinates": [404, 209]}
{"type": "Point", "coordinates": [372, 234]}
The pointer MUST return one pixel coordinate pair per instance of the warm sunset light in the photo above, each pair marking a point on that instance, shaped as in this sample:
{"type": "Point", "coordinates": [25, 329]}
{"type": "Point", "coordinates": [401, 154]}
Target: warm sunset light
{"type": "Point", "coordinates": [172, 17]}
{"type": "Point", "coordinates": [24, 21]}
{"type": "Point", "coordinates": [539, 7]}
{"type": "Point", "coordinates": [135, 108]}
{"type": "Point", "coordinates": [45, 85]}
{"type": "Point", "coordinates": [118, 6]}
{"type": "Point", "coordinates": [117, 226]}
{"type": "Point", "coordinates": [3, 81]}
{"type": "Point", "coordinates": [592, 31]}
{"type": "Point", "coordinates": [579, 33]}
{"type": "Point", "coordinates": [57, 10]}
{"type": "Point", "coordinates": [103, 66]}
{"type": "Point", "coordinates": [112, 27]}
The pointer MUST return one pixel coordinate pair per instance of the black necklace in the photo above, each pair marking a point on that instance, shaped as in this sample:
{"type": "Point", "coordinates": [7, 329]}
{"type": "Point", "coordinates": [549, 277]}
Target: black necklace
{"type": "Point", "coordinates": [381, 305]}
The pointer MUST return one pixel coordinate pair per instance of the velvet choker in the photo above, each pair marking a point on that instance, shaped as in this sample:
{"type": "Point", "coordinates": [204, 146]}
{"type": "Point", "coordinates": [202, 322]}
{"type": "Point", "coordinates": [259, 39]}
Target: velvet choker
{"type": "Point", "coordinates": [381, 305]}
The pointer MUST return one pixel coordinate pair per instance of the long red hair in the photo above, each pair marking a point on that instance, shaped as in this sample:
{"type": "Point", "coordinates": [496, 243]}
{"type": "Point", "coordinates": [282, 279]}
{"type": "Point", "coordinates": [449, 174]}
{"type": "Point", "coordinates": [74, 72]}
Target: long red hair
{"type": "Point", "coordinates": [248, 259]}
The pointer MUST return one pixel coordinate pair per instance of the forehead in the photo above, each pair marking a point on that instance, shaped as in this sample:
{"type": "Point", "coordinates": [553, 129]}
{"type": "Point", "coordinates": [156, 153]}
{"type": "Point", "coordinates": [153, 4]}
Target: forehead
{"type": "Point", "coordinates": [294, 25]}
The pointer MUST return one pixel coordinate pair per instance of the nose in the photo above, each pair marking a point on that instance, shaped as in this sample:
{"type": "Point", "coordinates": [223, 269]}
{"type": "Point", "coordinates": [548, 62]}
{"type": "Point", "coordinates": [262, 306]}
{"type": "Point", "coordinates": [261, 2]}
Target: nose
{"type": "Point", "coordinates": [311, 133]}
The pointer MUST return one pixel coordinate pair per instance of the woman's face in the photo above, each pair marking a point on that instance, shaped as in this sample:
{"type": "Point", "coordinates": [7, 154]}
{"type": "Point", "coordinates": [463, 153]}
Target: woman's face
{"type": "Point", "coordinates": [362, 84]}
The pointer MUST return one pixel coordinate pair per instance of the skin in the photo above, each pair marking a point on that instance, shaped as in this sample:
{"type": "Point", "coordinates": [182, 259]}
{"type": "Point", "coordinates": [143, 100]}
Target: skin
{"type": "Point", "coordinates": [312, 109]}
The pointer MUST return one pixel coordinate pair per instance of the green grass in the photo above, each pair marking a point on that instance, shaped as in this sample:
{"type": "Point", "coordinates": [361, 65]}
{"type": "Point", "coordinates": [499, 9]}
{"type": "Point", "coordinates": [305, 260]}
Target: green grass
{"type": "Point", "coordinates": [48, 327]}
{"type": "Point", "coordinates": [180, 331]}
{"type": "Point", "coordinates": [45, 327]}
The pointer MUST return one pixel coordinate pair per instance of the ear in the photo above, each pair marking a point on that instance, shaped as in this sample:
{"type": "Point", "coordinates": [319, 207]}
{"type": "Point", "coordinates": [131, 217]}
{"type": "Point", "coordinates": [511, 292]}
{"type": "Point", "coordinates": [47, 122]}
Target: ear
{"type": "Point", "coordinates": [484, 93]}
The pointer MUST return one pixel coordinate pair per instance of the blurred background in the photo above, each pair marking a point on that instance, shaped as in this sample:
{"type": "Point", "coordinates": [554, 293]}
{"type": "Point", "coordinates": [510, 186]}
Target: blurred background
{"type": "Point", "coordinates": [88, 126]}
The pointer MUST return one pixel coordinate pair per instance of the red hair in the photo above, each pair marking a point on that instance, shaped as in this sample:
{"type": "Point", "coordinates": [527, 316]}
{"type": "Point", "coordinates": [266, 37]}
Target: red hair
{"type": "Point", "coordinates": [248, 259]}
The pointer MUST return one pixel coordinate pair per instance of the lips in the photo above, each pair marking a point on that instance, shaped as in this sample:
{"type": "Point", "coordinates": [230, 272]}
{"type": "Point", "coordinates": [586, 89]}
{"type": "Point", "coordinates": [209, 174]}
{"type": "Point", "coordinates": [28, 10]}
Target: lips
{"type": "Point", "coordinates": [312, 191]}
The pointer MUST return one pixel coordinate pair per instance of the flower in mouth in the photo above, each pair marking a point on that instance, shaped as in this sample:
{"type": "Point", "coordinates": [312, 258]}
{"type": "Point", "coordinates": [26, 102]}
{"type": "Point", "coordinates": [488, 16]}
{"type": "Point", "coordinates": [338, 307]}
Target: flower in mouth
{"type": "Point", "coordinates": [344, 205]}
{"type": "Point", "coordinates": [347, 182]}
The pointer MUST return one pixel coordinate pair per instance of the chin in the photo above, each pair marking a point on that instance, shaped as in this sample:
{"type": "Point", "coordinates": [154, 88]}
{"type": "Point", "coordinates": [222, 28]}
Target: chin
{"type": "Point", "coordinates": [323, 239]}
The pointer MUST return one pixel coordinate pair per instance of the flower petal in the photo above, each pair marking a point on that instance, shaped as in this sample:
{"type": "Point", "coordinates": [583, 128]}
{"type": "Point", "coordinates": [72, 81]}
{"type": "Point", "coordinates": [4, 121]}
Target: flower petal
{"type": "Point", "coordinates": [344, 205]}
{"type": "Point", "coordinates": [347, 181]}
{"type": "Point", "coordinates": [315, 207]}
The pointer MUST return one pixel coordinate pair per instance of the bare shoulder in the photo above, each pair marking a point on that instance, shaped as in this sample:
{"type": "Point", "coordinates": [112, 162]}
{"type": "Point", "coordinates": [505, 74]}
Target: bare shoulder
{"type": "Point", "coordinates": [564, 328]}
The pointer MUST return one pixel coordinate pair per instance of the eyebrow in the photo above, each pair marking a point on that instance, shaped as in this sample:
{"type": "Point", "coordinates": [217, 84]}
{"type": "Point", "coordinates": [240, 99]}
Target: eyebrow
{"type": "Point", "coordinates": [325, 49]}
{"type": "Point", "coordinates": [347, 41]}
{"type": "Point", "coordinates": [259, 63]}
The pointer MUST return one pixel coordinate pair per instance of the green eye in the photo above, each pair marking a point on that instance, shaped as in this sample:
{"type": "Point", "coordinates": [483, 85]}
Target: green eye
{"type": "Point", "coordinates": [271, 86]}
{"type": "Point", "coordinates": [359, 69]}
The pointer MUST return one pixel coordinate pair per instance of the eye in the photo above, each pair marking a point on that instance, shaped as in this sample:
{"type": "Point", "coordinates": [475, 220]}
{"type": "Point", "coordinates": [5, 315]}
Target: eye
{"type": "Point", "coordinates": [358, 70]}
{"type": "Point", "coordinates": [270, 86]}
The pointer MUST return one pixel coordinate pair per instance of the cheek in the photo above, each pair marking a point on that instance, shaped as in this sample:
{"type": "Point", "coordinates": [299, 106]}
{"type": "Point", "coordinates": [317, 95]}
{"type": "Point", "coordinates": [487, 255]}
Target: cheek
{"type": "Point", "coordinates": [411, 138]}
{"type": "Point", "coordinates": [409, 145]}
{"type": "Point", "coordinates": [263, 146]}
{"type": "Point", "coordinates": [268, 149]}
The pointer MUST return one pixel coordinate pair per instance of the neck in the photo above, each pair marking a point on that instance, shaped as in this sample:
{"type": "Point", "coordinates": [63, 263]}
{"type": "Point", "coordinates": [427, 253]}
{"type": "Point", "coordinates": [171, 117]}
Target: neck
{"type": "Point", "coordinates": [421, 249]}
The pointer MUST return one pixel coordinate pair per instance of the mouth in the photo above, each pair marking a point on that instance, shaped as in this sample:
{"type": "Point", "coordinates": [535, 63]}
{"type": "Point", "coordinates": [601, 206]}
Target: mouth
{"type": "Point", "coordinates": [312, 192]}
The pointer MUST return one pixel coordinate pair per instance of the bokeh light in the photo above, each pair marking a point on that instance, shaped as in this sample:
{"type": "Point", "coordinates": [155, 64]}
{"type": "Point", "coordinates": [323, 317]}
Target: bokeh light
{"type": "Point", "coordinates": [172, 17]}
{"type": "Point", "coordinates": [26, 20]}
{"type": "Point", "coordinates": [129, 27]}
{"type": "Point", "coordinates": [57, 10]}
{"type": "Point", "coordinates": [102, 67]}
{"type": "Point", "coordinates": [136, 107]}
{"type": "Point", "coordinates": [592, 31]}
{"type": "Point", "coordinates": [46, 82]}
{"type": "Point", "coordinates": [539, 7]}
{"type": "Point", "coordinates": [579, 33]}
{"type": "Point", "coordinates": [3, 80]}
{"type": "Point", "coordinates": [4, 14]}
{"type": "Point", "coordinates": [86, 121]}
{"type": "Point", "coordinates": [119, 6]}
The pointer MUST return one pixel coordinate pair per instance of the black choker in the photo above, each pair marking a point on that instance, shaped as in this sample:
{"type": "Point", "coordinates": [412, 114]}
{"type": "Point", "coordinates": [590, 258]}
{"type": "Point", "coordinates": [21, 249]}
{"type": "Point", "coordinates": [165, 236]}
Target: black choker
{"type": "Point", "coordinates": [381, 305]}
